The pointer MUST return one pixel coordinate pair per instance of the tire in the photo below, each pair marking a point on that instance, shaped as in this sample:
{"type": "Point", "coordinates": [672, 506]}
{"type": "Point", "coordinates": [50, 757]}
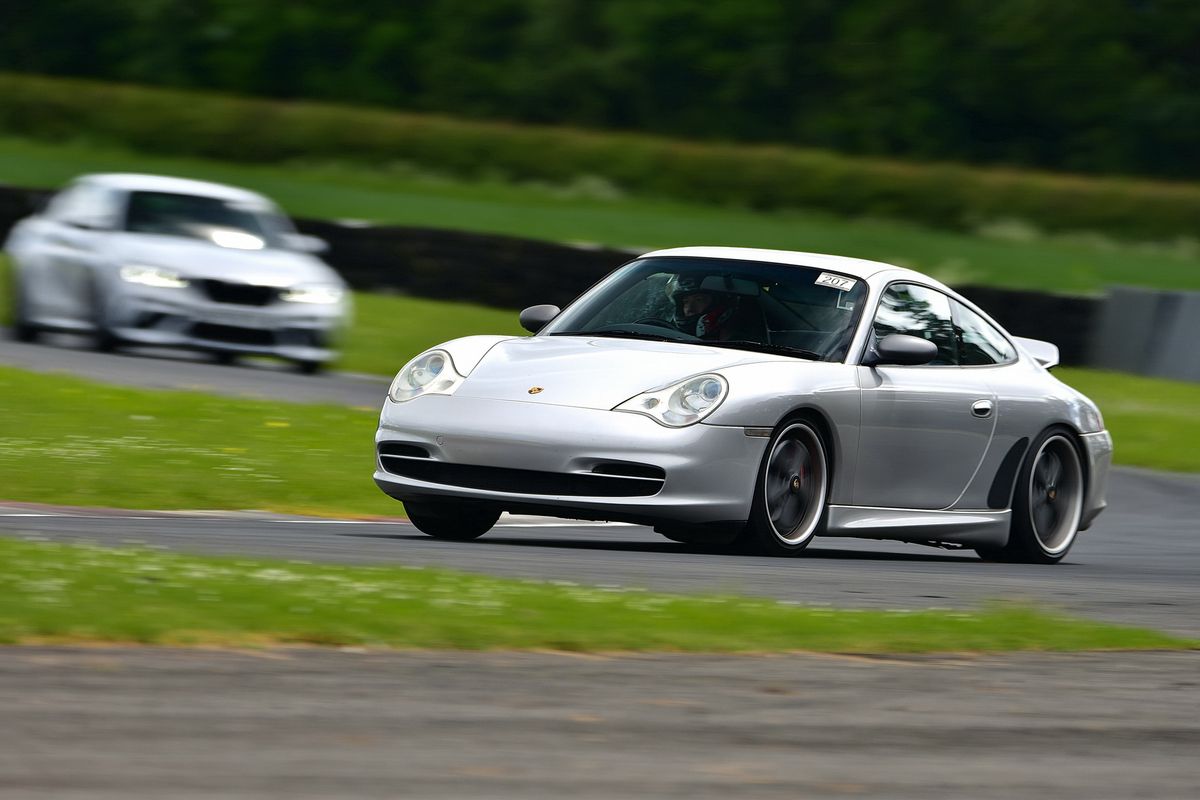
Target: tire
{"type": "Point", "coordinates": [22, 330]}
{"type": "Point", "coordinates": [225, 358]}
{"type": "Point", "coordinates": [103, 339]}
{"type": "Point", "coordinates": [456, 521]}
{"type": "Point", "coordinates": [309, 367]}
{"type": "Point", "coordinates": [791, 494]}
{"type": "Point", "coordinates": [1047, 503]}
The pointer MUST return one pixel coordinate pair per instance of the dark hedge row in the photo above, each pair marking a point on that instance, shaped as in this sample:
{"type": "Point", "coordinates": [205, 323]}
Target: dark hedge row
{"type": "Point", "coordinates": [949, 196]}
{"type": "Point", "coordinates": [1097, 86]}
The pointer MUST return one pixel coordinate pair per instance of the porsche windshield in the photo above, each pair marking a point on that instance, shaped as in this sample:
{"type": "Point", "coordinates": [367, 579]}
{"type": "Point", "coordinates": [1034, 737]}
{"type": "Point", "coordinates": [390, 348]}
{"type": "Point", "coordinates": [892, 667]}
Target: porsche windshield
{"type": "Point", "coordinates": [751, 305]}
{"type": "Point", "coordinates": [242, 226]}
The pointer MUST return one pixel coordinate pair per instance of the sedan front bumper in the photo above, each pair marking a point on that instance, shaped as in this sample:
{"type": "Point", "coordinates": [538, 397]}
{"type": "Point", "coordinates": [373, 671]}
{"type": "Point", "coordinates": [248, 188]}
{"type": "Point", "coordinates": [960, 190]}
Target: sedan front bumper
{"type": "Point", "coordinates": [174, 318]}
{"type": "Point", "coordinates": [524, 447]}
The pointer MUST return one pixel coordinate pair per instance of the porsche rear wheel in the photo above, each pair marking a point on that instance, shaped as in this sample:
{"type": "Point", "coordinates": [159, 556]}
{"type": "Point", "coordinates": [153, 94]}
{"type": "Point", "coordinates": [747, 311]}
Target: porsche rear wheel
{"type": "Point", "coordinates": [1048, 503]}
{"type": "Point", "coordinates": [455, 521]}
{"type": "Point", "coordinates": [790, 495]}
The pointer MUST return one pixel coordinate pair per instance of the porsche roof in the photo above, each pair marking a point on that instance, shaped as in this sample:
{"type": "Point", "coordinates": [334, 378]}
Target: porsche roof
{"type": "Point", "coordinates": [858, 267]}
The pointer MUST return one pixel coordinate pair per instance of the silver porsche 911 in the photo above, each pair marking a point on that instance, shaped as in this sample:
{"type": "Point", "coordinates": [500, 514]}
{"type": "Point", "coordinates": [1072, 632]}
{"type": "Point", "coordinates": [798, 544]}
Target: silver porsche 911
{"type": "Point", "coordinates": [758, 398]}
{"type": "Point", "coordinates": [168, 262]}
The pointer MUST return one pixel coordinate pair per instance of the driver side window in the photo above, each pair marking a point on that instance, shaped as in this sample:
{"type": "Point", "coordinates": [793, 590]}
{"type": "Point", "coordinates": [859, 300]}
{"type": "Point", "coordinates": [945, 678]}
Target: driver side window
{"type": "Point", "coordinates": [917, 311]}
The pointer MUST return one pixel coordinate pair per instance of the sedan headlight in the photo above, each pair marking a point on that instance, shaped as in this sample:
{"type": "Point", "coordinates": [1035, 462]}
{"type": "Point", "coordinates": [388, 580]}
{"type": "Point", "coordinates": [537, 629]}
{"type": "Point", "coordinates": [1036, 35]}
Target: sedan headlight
{"type": "Point", "coordinates": [152, 276]}
{"type": "Point", "coordinates": [323, 295]}
{"type": "Point", "coordinates": [429, 373]}
{"type": "Point", "coordinates": [680, 405]}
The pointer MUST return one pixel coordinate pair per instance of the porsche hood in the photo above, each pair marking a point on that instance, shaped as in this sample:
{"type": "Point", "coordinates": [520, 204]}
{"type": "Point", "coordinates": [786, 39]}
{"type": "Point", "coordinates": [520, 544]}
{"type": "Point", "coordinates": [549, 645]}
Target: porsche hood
{"type": "Point", "coordinates": [589, 372]}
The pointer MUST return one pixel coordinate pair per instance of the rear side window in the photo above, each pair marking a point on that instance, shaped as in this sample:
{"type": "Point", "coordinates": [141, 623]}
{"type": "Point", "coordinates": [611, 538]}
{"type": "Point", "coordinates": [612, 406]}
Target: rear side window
{"type": "Point", "coordinates": [982, 344]}
{"type": "Point", "coordinates": [917, 311]}
{"type": "Point", "coordinates": [83, 203]}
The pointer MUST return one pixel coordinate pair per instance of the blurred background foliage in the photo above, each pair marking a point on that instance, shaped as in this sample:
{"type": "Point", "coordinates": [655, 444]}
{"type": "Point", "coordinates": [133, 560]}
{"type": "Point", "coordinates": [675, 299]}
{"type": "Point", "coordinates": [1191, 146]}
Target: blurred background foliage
{"type": "Point", "coordinates": [1107, 86]}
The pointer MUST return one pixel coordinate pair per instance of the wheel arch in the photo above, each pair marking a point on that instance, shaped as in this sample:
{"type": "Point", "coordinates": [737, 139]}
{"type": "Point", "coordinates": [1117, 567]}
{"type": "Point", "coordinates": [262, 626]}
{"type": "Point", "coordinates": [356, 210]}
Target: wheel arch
{"type": "Point", "coordinates": [825, 429]}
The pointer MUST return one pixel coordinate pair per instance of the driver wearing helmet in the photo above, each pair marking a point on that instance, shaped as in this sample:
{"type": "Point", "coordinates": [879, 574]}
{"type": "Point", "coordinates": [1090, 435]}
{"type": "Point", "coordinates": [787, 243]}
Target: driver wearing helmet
{"type": "Point", "coordinates": [700, 311]}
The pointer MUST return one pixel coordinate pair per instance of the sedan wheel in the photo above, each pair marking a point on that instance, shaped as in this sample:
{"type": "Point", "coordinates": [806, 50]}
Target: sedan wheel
{"type": "Point", "coordinates": [1048, 504]}
{"type": "Point", "coordinates": [452, 520]}
{"type": "Point", "coordinates": [22, 329]}
{"type": "Point", "coordinates": [789, 502]}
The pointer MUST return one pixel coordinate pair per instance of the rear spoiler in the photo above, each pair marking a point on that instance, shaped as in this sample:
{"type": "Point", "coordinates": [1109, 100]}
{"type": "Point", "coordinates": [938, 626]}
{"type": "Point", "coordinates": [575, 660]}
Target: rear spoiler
{"type": "Point", "coordinates": [1044, 353]}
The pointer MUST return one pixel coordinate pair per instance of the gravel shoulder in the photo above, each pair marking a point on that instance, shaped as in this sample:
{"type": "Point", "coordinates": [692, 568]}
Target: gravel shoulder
{"type": "Point", "coordinates": [120, 722]}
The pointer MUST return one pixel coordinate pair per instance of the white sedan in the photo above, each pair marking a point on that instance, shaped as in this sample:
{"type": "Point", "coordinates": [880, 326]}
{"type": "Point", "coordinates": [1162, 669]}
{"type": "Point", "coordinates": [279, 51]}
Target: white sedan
{"type": "Point", "coordinates": [168, 262]}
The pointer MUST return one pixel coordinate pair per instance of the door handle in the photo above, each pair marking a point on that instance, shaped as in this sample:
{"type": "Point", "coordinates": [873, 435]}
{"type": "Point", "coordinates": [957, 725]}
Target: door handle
{"type": "Point", "coordinates": [982, 408]}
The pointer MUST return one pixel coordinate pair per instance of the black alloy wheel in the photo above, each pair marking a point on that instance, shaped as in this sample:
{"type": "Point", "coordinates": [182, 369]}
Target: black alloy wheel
{"type": "Point", "coordinates": [790, 496]}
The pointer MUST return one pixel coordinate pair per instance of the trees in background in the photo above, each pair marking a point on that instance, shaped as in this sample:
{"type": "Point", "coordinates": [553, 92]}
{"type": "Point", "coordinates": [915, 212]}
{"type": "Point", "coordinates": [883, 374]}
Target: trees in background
{"type": "Point", "coordinates": [1085, 85]}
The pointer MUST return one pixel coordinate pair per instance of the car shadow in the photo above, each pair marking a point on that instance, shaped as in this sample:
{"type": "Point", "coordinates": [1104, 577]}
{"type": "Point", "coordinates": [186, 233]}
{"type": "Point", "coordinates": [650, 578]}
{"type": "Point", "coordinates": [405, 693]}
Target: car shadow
{"type": "Point", "coordinates": [668, 547]}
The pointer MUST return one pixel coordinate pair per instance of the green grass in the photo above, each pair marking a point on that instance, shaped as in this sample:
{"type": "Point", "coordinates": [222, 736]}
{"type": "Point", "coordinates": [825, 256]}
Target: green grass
{"type": "Point", "coordinates": [64, 440]}
{"type": "Point", "coordinates": [53, 592]}
{"type": "Point", "coordinates": [1154, 422]}
{"type": "Point", "coordinates": [1003, 255]}
{"type": "Point", "coordinates": [389, 330]}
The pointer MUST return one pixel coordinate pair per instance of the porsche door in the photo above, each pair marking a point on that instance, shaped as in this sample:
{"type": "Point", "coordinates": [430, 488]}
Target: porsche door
{"type": "Point", "coordinates": [925, 429]}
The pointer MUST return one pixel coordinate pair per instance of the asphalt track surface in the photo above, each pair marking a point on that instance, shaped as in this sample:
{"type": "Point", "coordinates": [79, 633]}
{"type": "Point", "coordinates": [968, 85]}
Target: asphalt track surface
{"type": "Point", "coordinates": [121, 722]}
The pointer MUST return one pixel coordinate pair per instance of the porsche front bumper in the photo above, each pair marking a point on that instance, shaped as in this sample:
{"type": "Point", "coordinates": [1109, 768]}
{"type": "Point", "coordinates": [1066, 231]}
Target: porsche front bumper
{"type": "Point", "coordinates": [551, 459]}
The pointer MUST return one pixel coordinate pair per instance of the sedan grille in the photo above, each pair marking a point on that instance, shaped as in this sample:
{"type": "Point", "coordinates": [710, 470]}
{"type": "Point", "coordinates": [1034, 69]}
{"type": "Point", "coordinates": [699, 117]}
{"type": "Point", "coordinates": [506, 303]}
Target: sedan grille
{"type": "Point", "coordinates": [242, 294]}
{"type": "Point", "coordinates": [518, 481]}
{"type": "Point", "coordinates": [233, 335]}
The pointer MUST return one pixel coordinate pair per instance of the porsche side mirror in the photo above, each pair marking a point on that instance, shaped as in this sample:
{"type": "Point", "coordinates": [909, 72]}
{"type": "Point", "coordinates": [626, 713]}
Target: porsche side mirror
{"type": "Point", "coordinates": [901, 349]}
{"type": "Point", "coordinates": [534, 318]}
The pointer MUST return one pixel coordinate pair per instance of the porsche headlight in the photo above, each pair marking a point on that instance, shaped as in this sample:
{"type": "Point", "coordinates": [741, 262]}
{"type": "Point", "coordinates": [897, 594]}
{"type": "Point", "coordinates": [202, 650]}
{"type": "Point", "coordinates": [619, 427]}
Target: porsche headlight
{"type": "Point", "coordinates": [322, 295]}
{"type": "Point", "coordinates": [429, 373]}
{"type": "Point", "coordinates": [680, 405]}
{"type": "Point", "coordinates": [152, 276]}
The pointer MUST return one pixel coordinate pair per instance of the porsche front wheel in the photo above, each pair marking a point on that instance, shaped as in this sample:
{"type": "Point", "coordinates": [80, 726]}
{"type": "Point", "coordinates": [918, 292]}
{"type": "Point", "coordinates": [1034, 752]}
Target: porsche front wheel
{"type": "Point", "coordinates": [790, 494]}
{"type": "Point", "coordinates": [448, 520]}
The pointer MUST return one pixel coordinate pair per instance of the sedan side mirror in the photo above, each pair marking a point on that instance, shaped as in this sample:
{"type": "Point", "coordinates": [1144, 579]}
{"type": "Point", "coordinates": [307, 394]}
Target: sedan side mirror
{"type": "Point", "coordinates": [303, 243]}
{"type": "Point", "coordinates": [91, 222]}
{"type": "Point", "coordinates": [901, 349]}
{"type": "Point", "coordinates": [534, 318]}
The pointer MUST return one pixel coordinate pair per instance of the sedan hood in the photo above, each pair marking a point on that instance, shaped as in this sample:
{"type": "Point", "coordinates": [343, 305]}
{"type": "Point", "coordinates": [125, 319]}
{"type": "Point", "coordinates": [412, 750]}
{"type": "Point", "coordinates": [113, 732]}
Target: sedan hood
{"type": "Point", "coordinates": [198, 260]}
{"type": "Point", "coordinates": [590, 372]}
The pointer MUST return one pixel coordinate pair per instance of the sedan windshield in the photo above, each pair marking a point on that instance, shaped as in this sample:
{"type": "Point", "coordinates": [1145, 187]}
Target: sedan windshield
{"type": "Point", "coordinates": [228, 223]}
{"type": "Point", "coordinates": [750, 305]}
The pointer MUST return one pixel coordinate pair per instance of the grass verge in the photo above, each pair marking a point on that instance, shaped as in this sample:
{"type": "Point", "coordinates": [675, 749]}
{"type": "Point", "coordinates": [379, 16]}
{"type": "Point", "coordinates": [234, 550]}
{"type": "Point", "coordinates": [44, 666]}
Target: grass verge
{"type": "Point", "coordinates": [1155, 423]}
{"type": "Point", "coordinates": [588, 209]}
{"type": "Point", "coordinates": [64, 440]}
{"type": "Point", "coordinates": [52, 592]}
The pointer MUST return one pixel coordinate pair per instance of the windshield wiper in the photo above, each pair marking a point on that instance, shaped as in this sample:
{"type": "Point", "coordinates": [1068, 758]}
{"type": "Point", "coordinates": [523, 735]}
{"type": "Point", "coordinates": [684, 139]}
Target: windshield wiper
{"type": "Point", "coordinates": [620, 334]}
{"type": "Point", "coordinates": [762, 347]}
